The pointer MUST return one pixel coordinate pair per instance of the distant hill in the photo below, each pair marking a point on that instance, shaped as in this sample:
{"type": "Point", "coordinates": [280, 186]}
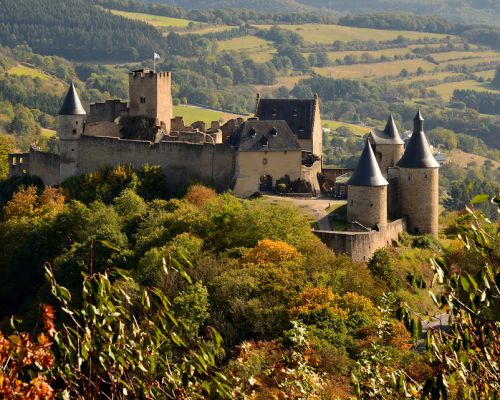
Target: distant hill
{"type": "Point", "coordinates": [463, 11]}
{"type": "Point", "coordinates": [75, 29]}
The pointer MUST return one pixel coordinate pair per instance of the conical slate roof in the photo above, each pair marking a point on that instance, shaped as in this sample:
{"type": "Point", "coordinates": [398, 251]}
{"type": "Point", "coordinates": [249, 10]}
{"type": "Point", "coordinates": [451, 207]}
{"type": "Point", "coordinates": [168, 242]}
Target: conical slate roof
{"type": "Point", "coordinates": [72, 104]}
{"type": "Point", "coordinates": [367, 172]}
{"type": "Point", "coordinates": [390, 134]}
{"type": "Point", "coordinates": [418, 153]}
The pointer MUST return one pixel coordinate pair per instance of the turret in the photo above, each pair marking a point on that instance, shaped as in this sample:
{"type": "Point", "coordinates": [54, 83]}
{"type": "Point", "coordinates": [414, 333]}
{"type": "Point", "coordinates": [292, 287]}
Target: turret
{"type": "Point", "coordinates": [367, 192]}
{"type": "Point", "coordinates": [388, 145]}
{"type": "Point", "coordinates": [70, 126]}
{"type": "Point", "coordinates": [419, 183]}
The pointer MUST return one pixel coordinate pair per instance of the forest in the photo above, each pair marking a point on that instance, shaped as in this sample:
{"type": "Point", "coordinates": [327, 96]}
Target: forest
{"type": "Point", "coordinates": [205, 295]}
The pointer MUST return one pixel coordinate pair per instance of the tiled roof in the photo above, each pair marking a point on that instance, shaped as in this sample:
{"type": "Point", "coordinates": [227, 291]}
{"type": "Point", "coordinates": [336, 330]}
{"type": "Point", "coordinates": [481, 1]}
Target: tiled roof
{"type": "Point", "coordinates": [265, 136]}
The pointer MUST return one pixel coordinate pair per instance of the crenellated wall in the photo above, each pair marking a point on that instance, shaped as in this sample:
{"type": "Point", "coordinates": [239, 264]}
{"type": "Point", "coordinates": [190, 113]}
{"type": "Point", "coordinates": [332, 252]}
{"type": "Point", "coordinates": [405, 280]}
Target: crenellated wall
{"type": "Point", "coordinates": [212, 164]}
{"type": "Point", "coordinates": [360, 246]}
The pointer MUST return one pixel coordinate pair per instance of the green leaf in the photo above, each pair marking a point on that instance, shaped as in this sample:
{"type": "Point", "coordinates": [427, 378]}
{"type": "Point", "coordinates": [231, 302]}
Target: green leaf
{"type": "Point", "coordinates": [479, 198]}
{"type": "Point", "coordinates": [465, 283]}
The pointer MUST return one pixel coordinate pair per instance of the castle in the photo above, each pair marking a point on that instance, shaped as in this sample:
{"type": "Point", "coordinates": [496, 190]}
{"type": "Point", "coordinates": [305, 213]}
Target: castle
{"type": "Point", "coordinates": [390, 190]}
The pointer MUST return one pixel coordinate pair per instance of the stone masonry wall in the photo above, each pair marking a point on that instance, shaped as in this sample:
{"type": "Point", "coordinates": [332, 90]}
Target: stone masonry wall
{"type": "Point", "coordinates": [45, 166]}
{"type": "Point", "coordinates": [419, 191]}
{"type": "Point", "coordinates": [361, 245]}
{"type": "Point", "coordinates": [211, 164]}
{"type": "Point", "coordinates": [107, 111]}
{"type": "Point", "coordinates": [367, 205]}
{"type": "Point", "coordinates": [388, 155]}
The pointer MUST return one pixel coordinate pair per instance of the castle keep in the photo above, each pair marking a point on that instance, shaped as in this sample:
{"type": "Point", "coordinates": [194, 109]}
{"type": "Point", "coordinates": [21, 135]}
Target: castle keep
{"type": "Point", "coordinates": [390, 191]}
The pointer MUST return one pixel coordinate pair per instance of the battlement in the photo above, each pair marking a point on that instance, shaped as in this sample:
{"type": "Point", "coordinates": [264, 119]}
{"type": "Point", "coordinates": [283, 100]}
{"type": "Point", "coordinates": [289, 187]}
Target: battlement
{"type": "Point", "coordinates": [148, 73]}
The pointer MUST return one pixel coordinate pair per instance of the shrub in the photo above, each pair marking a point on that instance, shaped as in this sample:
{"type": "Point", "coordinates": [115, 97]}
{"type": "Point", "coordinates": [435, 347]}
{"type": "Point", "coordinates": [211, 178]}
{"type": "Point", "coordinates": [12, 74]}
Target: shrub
{"type": "Point", "coordinates": [198, 194]}
{"type": "Point", "coordinates": [271, 251]}
{"type": "Point", "coordinates": [381, 266]}
{"type": "Point", "coordinates": [427, 242]}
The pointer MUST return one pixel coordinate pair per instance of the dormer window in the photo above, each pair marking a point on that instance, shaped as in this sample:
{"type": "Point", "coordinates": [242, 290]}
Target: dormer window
{"type": "Point", "coordinates": [252, 132]}
{"type": "Point", "coordinates": [301, 129]}
{"type": "Point", "coordinates": [273, 131]}
{"type": "Point", "coordinates": [264, 141]}
{"type": "Point", "coordinates": [275, 113]}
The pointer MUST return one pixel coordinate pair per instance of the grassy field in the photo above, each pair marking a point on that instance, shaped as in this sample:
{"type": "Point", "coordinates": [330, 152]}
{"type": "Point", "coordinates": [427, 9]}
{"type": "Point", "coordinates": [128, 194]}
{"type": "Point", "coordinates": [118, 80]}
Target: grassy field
{"type": "Point", "coordinates": [247, 43]}
{"type": "Point", "coordinates": [318, 33]}
{"type": "Point", "coordinates": [474, 61]}
{"type": "Point", "coordinates": [356, 129]}
{"type": "Point", "coordinates": [462, 158]}
{"type": "Point", "coordinates": [339, 55]}
{"type": "Point", "coordinates": [193, 113]}
{"type": "Point", "coordinates": [445, 90]}
{"type": "Point", "coordinates": [490, 74]}
{"type": "Point", "coordinates": [22, 70]}
{"type": "Point", "coordinates": [461, 55]}
{"type": "Point", "coordinates": [374, 70]}
{"type": "Point", "coordinates": [155, 20]}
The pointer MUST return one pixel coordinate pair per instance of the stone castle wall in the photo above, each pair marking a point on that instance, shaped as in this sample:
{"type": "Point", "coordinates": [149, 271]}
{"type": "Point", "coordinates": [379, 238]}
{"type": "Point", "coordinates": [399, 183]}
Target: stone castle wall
{"type": "Point", "coordinates": [388, 155]}
{"type": "Point", "coordinates": [367, 205]}
{"type": "Point", "coordinates": [45, 166]}
{"type": "Point", "coordinates": [361, 245]}
{"type": "Point", "coordinates": [107, 111]}
{"type": "Point", "coordinates": [419, 199]}
{"type": "Point", "coordinates": [211, 164]}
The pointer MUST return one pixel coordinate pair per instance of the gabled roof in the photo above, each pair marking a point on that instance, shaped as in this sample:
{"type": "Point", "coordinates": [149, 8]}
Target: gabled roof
{"type": "Point", "coordinates": [367, 172]}
{"type": "Point", "coordinates": [71, 104]}
{"type": "Point", "coordinates": [390, 134]}
{"type": "Point", "coordinates": [299, 114]}
{"type": "Point", "coordinates": [418, 153]}
{"type": "Point", "coordinates": [265, 136]}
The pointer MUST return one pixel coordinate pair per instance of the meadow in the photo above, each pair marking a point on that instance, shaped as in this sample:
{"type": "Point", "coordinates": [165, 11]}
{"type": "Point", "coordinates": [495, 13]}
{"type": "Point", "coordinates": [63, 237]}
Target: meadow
{"type": "Point", "coordinates": [445, 90]}
{"type": "Point", "coordinates": [192, 114]}
{"type": "Point", "coordinates": [23, 70]}
{"type": "Point", "coordinates": [322, 34]}
{"type": "Point", "coordinates": [155, 20]}
{"type": "Point", "coordinates": [359, 130]}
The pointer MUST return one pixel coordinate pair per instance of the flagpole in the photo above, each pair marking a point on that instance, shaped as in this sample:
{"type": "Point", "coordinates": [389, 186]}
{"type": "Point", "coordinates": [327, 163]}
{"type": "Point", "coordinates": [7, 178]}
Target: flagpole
{"type": "Point", "coordinates": [154, 63]}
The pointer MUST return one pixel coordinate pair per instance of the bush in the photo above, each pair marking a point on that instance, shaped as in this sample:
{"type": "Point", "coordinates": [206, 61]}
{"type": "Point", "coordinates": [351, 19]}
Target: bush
{"type": "Point", "coordinates": [427, 242]}
{"type": "Point", "coordinates": [382, 266]}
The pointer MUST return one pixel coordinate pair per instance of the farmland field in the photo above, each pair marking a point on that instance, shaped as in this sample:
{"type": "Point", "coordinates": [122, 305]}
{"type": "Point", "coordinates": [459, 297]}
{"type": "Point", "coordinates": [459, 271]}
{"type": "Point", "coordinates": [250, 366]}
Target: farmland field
{"type": "Point", "coordinates": [445, 90]}
{"type": "Point", "coordinates": [248, 43]}
{"type": "Point", "coordinates": [374, 70]}
{"type": "Point", "coordinates": [22, 70]}
{"type": "Point", "coordinates": [356, 129]}
{"type": "Point", "coordinates": [193, 113]}
{"type": "Point", "coordinates": [461, 55]}
{"type": "Point", "coordinates": [336, 55]}
{"type": "Point", "coordinates": [155, 20]}
{"type": "Point", "coordinates": [319, 33]}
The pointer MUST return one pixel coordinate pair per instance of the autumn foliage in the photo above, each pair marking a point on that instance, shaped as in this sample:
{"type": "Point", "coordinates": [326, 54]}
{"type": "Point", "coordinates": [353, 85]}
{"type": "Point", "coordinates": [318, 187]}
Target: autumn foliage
{"type": "Point", "coordinates": [26, 362]}
{"type": "Point", "coordinates": [199, 194]}
{"type": "Point", "coordinates": [271, 251]}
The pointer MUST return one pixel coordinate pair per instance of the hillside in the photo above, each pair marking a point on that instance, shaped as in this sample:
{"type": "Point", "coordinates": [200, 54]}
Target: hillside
{"type": "Point", "coordinates": [462, 11]}
{"type": "Point", "coordinates": [75, 29]}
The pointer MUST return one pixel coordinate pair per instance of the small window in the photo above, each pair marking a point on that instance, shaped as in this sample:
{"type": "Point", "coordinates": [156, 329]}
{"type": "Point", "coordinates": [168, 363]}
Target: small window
{"type": "Point", "coordinates": [264, 161]}
{"type": "Point", "coordinates": [143, 100]}
{"type": "Point", "coordinates": [286, 152]}
{"type": "Point", "coordinates": [352, 202]}
{"type": "Point", "coordinates": [14, 161]}
{"type": "Point", "coordinates": [76, 122]}
{"type": "Point", "coordinates": [408, 177]}
{"type": "Point", "coordinates": [294, 113]}
{"type": "Point", "coordinates": [74, 131]}
{"type": "Point", "coordinates": [20, 160]}
{"type": "Point", "coordinates": [371, 204]}
{"type": "Point", "coordinates": [425, 176]}
{"type": "Point", "coordinates": [72, 149]}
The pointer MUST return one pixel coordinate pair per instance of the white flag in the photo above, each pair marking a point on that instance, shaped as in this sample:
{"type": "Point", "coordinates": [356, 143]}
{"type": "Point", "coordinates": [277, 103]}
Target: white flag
{"type": "Point", "coordinates": [156, 56]}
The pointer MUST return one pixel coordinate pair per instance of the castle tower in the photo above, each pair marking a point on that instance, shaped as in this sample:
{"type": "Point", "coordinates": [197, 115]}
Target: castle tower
{"type": "Point", "coordinates": [367, 192]}
{"type": "Point", "coordinates": [387, 145]}
{"type": "Point", "coordinates": [419, 183]}
{"type": "Point", "coordinates": [70, 126]}
{"type": "Point", "coordinates": [150, 96]}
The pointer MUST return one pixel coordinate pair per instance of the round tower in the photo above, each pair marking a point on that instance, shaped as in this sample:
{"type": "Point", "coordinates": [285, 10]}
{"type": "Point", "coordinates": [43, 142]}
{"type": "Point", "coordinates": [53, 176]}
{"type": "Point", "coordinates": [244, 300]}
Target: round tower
{"type": "Point", "coordinates": [419, 183]}
{"type": "Point", "coordinates": [70, 126]}
{"type": "Point", "coordinates": [367, 192]}
{"type": "Point", "coordinates": [387, 145]}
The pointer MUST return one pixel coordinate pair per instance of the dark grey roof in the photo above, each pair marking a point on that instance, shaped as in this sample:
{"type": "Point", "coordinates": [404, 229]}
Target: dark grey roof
{"type": "Point", "coordinates": [367, 172]}
{"type": "Point", "coordinates": [265, 136]}
{"type": "Point", "coordinates": [299, 114]}
{"type": "Point", "coordinates": [390, 134]}
{"type": "Point", "coordinates": [71, 104]}
{"type": "Point", "coordinates": [418, 153]}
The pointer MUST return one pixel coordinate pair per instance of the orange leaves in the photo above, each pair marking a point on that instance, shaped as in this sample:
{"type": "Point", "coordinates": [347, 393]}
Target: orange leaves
{"type": "Point", "coordinates": [26, 203]}
{"type": "Point", "coordinates": [271, 251]}
{"type": "Point", "coordinates": [199, 194]}
{"type": "Point", "coordinates": [22, 358]}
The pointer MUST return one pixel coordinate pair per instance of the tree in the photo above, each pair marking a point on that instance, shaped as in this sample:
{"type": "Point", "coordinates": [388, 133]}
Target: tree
{"type": "Point", "coordinates": [7, 146]}
{"type": "Point", "coordinates": [496, 80]}
{"type": "Point", "coordinates": [463, 357]}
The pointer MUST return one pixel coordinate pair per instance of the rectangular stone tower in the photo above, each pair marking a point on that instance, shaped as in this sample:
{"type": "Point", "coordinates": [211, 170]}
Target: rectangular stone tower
{"type": "Point", "coordinates": [150, 95]}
